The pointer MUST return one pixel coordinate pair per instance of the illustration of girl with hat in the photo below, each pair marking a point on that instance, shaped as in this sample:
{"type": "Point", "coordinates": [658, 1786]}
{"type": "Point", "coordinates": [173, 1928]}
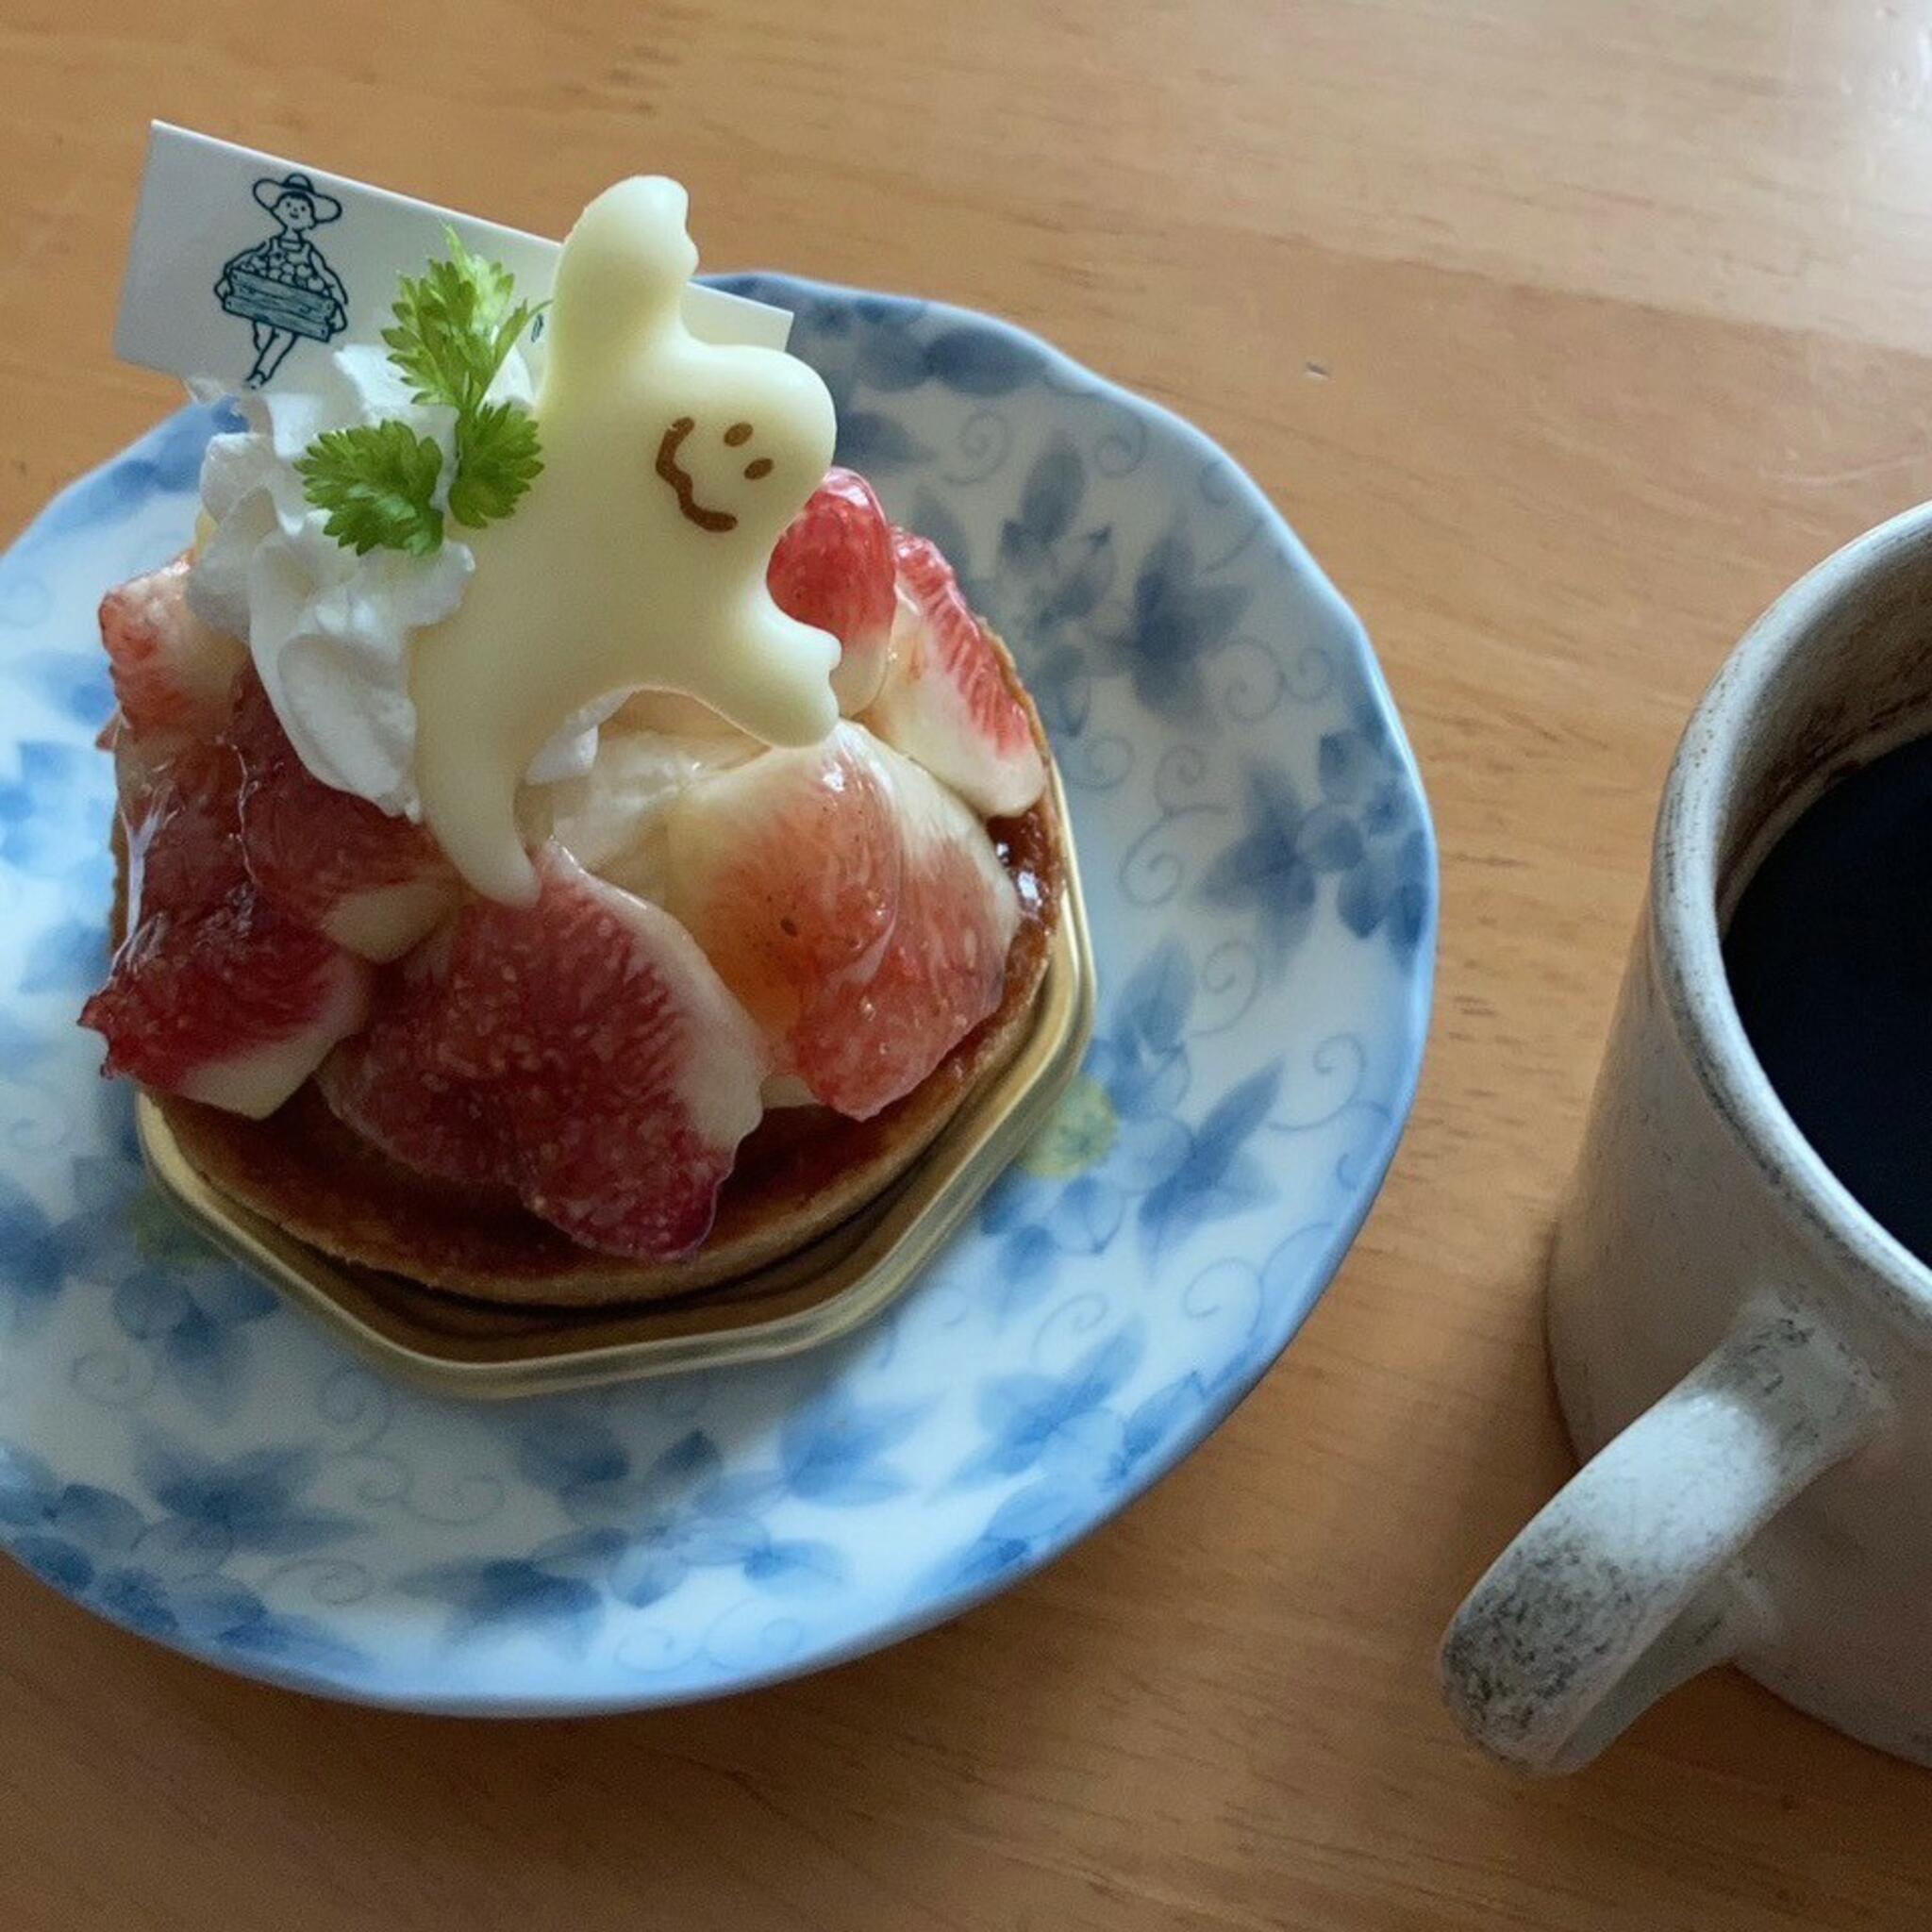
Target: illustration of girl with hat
{"type": "Point", "coordinates": [283, 285]}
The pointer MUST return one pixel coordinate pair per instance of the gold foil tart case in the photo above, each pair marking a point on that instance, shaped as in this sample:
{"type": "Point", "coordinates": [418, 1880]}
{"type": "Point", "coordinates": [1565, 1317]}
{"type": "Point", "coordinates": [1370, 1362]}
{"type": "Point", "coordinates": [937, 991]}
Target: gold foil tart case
{"type": "Point", "coordinates": [801, 1301]}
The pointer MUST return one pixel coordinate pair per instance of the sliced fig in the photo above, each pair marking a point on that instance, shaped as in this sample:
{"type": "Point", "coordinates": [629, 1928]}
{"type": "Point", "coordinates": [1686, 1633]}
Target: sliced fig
{"type": "Point", "coordinates": [833, 567]}
{"type": "Point", "coordinates": [945, 701]}
{"type": "Point", "coordinates": [854, 906]}
{"type": "Point", "coordinates": [581, 1051]}
{"type": "Point", "coordinates": [216, 994]}
{"type": "Point", "coordinates": [171, 673]}
{"type": "Point", "coordinates": [374, 883]}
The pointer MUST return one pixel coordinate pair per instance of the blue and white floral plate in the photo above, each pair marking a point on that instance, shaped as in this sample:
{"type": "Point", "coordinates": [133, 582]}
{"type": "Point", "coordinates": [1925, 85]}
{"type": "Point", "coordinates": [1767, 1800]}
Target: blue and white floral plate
{"type": "Point", "coordinates": [183, 1453]}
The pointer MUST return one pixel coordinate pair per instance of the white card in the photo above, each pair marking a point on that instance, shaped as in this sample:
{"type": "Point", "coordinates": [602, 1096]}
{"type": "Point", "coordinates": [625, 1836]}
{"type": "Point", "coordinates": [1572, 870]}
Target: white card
{"type": "Point", "coordinates": [245, 268]}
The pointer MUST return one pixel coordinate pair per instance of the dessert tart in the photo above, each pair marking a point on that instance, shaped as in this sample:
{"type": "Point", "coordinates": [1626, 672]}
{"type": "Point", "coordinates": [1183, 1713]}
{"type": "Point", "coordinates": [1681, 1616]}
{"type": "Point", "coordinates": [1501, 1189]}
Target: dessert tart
{"type": "Point", "coordinates": [574, 849]}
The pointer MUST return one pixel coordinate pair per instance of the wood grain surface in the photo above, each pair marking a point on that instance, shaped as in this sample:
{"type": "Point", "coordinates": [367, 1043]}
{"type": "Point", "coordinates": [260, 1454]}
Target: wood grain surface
{"type": "Point", "coordinates": [1567, 332]}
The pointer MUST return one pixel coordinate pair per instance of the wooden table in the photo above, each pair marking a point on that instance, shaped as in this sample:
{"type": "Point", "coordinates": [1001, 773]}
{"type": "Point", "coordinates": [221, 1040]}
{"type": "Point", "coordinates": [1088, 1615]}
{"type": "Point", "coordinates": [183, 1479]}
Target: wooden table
{"type": "Point", "coordinates": [1566, 333]}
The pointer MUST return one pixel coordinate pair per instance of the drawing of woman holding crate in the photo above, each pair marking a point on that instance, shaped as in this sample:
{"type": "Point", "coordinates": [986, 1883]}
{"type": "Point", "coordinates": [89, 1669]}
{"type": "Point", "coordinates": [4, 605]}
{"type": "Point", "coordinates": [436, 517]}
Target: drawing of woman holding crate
{"type": "Point", "coordinates": [283, 285]}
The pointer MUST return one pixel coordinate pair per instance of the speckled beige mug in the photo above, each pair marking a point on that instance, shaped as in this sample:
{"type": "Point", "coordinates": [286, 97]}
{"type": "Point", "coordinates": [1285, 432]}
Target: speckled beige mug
{"type": "Point", "coordinates": [1743, 1355]}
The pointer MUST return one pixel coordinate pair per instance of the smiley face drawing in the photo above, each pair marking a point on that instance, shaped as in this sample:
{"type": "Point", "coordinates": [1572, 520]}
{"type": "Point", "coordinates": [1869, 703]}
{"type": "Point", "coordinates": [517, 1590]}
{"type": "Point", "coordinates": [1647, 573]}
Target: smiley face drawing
{"type": "Point", "coordinates": [638, 558]}
{"type": "Point", "coordinates": [681, 481]}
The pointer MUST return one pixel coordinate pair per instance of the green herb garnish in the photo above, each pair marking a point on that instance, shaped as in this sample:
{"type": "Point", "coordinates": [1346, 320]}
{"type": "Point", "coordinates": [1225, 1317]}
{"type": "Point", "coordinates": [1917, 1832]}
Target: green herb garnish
{"type": "Point", "coordinates": [454, 327]}
{"type": "Point", "coordinates": [376, 484]}
{"type": "Point", "coordinates": [497, 455]}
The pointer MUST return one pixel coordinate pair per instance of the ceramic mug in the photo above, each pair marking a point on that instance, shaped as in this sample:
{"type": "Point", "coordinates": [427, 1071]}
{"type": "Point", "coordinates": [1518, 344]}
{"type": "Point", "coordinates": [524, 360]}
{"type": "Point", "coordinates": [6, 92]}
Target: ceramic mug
{"type": "Point", "coordinates": [1742, 1353]}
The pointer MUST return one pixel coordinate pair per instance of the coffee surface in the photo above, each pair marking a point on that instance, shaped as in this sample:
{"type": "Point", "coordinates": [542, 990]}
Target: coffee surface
{"type": "Point", "coordinates": [1831, 961]}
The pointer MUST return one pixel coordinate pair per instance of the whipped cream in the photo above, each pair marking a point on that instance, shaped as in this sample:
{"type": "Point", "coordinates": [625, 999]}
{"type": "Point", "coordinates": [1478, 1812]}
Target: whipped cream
{"type": "Point", "coordinates": [329, 632]}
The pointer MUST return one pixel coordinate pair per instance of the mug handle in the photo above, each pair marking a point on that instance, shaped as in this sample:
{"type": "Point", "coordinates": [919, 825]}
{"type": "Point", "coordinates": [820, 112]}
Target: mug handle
{"type": "Point", "coordinates": [1619, 1590]}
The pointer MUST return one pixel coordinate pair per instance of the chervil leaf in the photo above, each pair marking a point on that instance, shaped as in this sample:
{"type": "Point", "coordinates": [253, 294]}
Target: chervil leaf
{"type": "Point", "coordinates": [454, 323]}
{"type": "Point", "coordinates": [376, 482]}
{"type": "Point", "coordinates": [496, 459]}
{"type": "Point", "coordinates": [454, 326]}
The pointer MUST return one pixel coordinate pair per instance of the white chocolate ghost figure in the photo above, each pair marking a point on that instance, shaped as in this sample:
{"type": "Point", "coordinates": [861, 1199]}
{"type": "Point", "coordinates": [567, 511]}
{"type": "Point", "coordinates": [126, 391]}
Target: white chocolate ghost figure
{"type": "Point", "coordinates": [638, 558]}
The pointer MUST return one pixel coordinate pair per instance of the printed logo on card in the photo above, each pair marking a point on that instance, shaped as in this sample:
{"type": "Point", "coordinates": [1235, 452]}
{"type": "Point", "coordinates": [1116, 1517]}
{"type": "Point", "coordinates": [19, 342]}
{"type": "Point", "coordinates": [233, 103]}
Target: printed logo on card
{"type": "Point", "coordinates": [283, 287]}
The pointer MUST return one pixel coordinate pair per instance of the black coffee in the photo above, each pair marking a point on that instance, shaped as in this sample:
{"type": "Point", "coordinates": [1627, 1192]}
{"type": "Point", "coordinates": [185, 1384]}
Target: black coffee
{"type": "Point", "coordinates": [1830, 962]}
